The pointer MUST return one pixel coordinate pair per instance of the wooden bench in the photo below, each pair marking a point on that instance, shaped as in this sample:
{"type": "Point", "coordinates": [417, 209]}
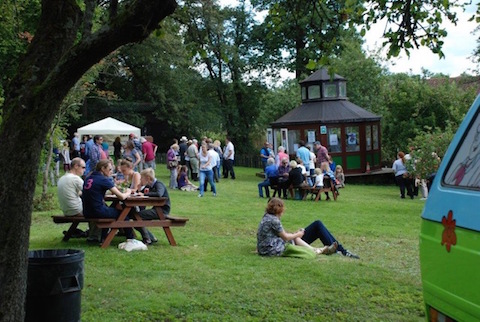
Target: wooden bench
{"type": "Point", "coordinates": [277, 190]}
{"type": "Point", "coordinates": [170, 221]}
{"type": "Point", "coordinates": [328, 186]}
{"type": "Point", "coordinates": [74, 221]}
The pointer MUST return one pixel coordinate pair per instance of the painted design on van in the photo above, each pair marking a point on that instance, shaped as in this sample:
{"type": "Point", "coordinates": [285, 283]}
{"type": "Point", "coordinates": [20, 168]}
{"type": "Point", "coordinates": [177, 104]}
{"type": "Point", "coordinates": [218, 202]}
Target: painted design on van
{"type": "Point", "coordinates": [449, 237]}
{"type": "Point", "coordinates": [465, 169]}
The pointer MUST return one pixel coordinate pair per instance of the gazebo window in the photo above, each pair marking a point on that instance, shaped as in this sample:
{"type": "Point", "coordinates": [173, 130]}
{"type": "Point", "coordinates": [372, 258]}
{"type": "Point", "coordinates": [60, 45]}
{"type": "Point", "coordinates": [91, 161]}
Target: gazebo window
{"type": "Point", "coordinates": [313, 92]}
{"type": "Point", "coordinates": [304, 93]}
{"type": "Point", "coordinates": [368, 137]}
{"type": "Point", "coordinates": [353, 139]}
{"type": "Point", "coordinates": [329, 90]}
{"type": "Point", "coordinates": [342, 89]}
{"type": "Point", "coordinates": [334, 141]}
{"type": "Point", "coordinates": [293, 138]}
{"type": "Point", "coordinates": [375, 137]}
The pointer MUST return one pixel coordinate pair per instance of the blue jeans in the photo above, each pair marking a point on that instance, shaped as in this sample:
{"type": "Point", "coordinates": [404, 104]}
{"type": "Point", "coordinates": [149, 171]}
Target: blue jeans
{"type": "Point", "coordinates": [317, 230]}
{"type": "Point", "coordinates": [266, 184]}
{"type": "Point", "coordinates": [209, 175]}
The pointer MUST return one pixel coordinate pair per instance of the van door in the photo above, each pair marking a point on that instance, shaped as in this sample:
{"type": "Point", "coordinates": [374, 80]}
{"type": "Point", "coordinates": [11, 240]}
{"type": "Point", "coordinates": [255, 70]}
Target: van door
{"type": "Point", "coordinates": [450, 230]}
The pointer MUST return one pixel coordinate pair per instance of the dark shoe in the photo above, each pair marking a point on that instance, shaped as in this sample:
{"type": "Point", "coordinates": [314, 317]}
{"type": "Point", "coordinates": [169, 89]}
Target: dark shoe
{"type": "Point", "coordinates": [347, 253]}
{"type": "Point", "coordinates": [331, 249]}
{"type": "Point", "coordinates": [147, 241]}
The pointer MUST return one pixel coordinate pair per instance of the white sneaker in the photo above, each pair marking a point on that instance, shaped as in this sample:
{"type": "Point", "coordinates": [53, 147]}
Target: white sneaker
{"type": "Point", "coordinates": [199, 196]}
{"type": "Point", "coordinates": [214, 194]}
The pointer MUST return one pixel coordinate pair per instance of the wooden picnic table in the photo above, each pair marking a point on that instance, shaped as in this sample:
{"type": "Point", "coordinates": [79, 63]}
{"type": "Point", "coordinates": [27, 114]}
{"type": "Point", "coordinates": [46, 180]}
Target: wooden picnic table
{"type": "Point", "coordinates": [141, 201]}
{"type": "Point", "coordinates": [115, 224]}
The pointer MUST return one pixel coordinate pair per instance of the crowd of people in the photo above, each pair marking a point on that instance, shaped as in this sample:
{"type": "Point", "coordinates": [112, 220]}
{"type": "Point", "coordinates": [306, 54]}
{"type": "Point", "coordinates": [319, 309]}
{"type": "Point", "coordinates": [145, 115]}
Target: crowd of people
{"type": "Point", "coordinates": [309, 169]}
{"type": "Point", "coordinates": [81, 193]}
{"type": "Point", "coordinates": [92, 172]}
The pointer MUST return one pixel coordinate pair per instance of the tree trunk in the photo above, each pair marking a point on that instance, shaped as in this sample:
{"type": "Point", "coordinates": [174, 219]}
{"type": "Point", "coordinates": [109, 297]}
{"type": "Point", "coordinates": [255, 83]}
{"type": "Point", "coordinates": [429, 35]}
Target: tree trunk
{"type": "Point", "coordinates": [49, 69]}
{"type": "Point", "coordinates": [47, 168]}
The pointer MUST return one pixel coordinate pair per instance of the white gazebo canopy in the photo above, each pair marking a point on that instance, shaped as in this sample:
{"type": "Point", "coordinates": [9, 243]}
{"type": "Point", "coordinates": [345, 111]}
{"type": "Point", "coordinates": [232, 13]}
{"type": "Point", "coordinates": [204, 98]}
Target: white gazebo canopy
{"type": "Point", "coordinates": [109, 128]}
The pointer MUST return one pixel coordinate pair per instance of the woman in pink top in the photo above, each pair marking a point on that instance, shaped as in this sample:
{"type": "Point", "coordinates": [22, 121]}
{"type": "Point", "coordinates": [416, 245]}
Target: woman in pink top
{"type": "Point", "coordinates": [281, 155]}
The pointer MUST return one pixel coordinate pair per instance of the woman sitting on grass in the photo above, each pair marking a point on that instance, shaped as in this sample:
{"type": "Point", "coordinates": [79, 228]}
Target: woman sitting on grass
{"type": "Point", "coordinates": [182, 180]}
{"type": "Point", "coordinates": [273, 240]}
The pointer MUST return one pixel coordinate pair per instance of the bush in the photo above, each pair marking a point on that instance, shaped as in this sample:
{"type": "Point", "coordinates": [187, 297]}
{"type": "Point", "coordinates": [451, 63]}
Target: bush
{"type": "Point", "coordinates": [426, 151]}
{"type": "Point", "coordinates": [44, 202]}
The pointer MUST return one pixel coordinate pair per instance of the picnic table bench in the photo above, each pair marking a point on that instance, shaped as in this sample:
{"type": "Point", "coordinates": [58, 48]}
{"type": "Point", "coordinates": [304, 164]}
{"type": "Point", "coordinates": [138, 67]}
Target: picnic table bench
{"type": "Point", "coordinates": [115, 224]}
{"type": "Point", "coordinates": [328, 186]}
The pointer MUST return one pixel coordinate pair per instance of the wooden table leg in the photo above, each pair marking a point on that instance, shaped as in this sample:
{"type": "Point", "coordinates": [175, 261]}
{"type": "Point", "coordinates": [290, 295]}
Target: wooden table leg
{"type": "Point", "coordinates": [109, 238]}
{"type": "Point", "coordinates": [113, 231]}
{"type": "Point", "coordinates": [167, 230]}
{"type": "Point", "coordinates": [70, 231]}
{"type": "Point", "coordinates": [319, 195]}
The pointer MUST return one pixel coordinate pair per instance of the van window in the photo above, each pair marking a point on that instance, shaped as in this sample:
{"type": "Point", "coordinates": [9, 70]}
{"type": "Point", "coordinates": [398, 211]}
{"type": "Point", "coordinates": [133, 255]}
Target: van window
{"type": "Point", "coordinates": [464, 169]}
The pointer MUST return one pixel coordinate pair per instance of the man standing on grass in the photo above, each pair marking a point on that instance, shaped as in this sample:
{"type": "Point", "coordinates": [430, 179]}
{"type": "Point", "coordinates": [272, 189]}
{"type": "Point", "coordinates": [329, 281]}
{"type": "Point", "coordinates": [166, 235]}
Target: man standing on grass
{"type": "Point", "coordinates": [322, 153]}
{"type": "Point", "coordinates": [229, 157]}
{"type": "Point", "coordinates": [304, 154]}
{"type": "Point", "coordinates": [149, 150]}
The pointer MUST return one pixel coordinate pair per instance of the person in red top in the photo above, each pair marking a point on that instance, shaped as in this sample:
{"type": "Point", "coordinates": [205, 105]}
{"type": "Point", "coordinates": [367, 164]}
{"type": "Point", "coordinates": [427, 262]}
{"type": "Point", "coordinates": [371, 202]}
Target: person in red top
{"type": "Point", "coordinates": [322, 153]}
{"type": "Point", "coordinates": [149, 150]}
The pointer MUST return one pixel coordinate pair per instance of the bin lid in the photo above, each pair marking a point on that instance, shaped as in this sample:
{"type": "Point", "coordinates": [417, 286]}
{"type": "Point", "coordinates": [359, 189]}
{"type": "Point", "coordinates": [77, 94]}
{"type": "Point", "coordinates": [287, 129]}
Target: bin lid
{"type": "Point", "coordinates": [55, 255]}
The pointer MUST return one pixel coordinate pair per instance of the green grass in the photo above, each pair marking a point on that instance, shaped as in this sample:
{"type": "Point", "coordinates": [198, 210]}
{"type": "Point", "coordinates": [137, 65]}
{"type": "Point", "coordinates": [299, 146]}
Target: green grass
{"type": "Point", "coordinates": [214, 275]}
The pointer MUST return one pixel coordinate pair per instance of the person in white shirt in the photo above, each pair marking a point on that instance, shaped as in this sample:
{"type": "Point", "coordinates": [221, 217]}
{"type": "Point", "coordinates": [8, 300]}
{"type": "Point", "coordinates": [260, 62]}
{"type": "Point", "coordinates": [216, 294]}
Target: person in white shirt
{"type": "Point", "coordinates": [228, 157]}
{"type": "Point", "coordinates": [207, 163]}
{"type": "Point", "coordinates": [69, 193]}
{"type": "Point", "coordinates": [216, 158]}
{"type": "Point", "coordinates": [70, 188]}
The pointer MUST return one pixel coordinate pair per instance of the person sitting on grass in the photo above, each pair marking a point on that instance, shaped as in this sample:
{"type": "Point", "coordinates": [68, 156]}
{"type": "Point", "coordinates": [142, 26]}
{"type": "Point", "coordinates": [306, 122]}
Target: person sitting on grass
{"type": "Point", "coordinates": [156, 188]}
{"type": "Point", "coordinates": [182, 180]}
{"type": "Point", "coordinates": [273, 240]}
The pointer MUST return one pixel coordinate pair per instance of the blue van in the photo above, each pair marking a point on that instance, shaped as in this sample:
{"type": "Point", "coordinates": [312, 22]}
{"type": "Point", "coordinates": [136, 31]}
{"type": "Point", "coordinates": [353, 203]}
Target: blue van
{"type": "Point", "coordinates": [450, 229]}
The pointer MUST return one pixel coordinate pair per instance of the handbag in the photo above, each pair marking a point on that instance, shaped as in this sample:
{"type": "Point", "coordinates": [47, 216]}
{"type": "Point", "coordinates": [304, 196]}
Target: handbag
{"type": "Point", "coordinates": [172, 164]}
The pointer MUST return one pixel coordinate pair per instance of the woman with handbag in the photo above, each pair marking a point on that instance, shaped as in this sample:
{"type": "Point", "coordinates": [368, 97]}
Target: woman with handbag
{"type": "Point", "coordinates": [172, 164]}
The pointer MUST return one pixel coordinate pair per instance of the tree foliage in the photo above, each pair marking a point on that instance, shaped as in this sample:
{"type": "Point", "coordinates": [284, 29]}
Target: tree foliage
{"type": "Point", "coordinates": [427, 150]}
{"type": "Point", "coordinates": [296, 32]}
{"type": "Point", "coordinates": [413, 103]}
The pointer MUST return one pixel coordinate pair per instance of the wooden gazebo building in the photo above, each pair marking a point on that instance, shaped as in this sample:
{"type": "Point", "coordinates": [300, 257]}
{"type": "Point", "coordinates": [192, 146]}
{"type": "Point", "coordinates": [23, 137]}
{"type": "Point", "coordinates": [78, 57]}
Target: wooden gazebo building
{"type": "Point", "coordinates": [350, 133]}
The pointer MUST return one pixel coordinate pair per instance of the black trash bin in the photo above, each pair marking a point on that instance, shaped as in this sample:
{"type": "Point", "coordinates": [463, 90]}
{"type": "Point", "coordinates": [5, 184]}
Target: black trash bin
{"type": "Point", "coordinates": [54, 285]}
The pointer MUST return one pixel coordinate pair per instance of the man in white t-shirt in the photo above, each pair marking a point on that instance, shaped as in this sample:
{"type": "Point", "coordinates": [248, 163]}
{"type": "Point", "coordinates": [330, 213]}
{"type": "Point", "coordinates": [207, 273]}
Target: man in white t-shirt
{"type": "Point", "coordinates": [228, 157]}
{"type": "Point", "coordinates": [69, 191]}
{"type": "Point", "coordinates": [70, 188]}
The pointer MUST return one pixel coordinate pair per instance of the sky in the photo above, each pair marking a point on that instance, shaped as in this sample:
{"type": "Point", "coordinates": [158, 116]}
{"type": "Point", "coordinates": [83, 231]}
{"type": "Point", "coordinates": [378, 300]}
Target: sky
{"type": "Point", "coordinates": [458, 47]}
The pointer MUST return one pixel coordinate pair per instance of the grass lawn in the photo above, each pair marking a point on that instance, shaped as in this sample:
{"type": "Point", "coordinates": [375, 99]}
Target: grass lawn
{"type": "Point", "coordinates": [214, 275]}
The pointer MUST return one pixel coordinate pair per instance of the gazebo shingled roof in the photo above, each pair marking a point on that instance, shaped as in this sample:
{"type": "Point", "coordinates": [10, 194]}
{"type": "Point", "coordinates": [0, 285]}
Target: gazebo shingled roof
{"type": "Point", "coordinates": [338, 111]}
{"type": "Point", "coordinates": [321, 75]}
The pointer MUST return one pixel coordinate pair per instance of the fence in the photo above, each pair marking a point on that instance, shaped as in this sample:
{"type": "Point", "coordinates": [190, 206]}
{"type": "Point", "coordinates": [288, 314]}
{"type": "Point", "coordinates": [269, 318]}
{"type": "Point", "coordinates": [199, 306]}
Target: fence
{"type": "Point", "coordinates": [249, 161]}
